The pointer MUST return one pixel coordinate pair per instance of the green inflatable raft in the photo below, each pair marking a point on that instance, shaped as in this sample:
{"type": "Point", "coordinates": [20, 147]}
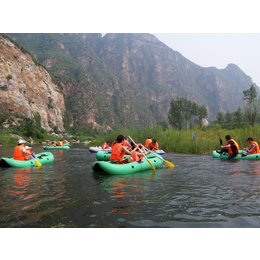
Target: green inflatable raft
{"type": "Point", "coordinates": [113, 168]}
{"type": "Point", "coordinates": [105, 156]}
{"type": "Point", "coordinates": [238, 157]}
{"type": "Point", "coordinates": [43, 158]}
{"type": "Point", "coordinates": [56, 147]}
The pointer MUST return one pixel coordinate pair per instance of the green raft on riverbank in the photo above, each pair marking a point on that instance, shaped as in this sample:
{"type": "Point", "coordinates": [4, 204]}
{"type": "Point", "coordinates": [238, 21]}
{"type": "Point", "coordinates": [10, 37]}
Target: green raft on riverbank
{"type": "Point", "coordinates": [238, 157]}
{"type": "Point", "coordinates": [43, 158]}
{"type": "Point", "coordinates": [113, 168]}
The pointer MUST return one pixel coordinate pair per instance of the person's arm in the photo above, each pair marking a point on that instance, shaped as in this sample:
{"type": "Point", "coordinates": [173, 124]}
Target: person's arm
{"type": "Point", "coordinates": [127, 151]}
{"type": "Point", "coordinates": [25, 151]}
{"type": "Point", "coordinates": [226, 146]}
{"type": "Point", "coordinates": [250, 150]}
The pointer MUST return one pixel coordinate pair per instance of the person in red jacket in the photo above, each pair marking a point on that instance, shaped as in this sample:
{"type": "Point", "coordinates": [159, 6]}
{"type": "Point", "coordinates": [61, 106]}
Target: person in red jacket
{"type": "Point", "coordinates": [231, 147]}
{"type": "Point", "coordinates": [119, 150]}
{"type": "Point", "coordinates": [137, 155]}
{"type": "Point", "coordinates": [28, 156]}
{"type": "Point", "coordinates": [148, 141]}
{"type": "Point", "coordinates": [20, 151]}
{"type": "Point", "coordinates": [105, 145]}
{"type": "Point", "coordinates": [253, 147]}
{"type": "Point", "coordinates": [153, 145]}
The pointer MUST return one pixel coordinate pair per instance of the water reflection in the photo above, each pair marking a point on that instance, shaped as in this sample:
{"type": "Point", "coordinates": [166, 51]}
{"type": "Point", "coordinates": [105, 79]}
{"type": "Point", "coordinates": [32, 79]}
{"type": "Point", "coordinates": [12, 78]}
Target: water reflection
{"type": "Point", "coordinates": [27, 195]}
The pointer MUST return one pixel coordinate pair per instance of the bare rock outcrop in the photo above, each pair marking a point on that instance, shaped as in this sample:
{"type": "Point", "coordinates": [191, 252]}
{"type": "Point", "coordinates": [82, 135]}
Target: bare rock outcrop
{"type": "Point", "coordinates": [26, 88]}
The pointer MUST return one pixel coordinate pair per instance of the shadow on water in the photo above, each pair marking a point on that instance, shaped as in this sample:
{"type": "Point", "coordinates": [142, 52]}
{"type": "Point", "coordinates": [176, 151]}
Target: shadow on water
{"type": "Point", "coordinates": [198, 192]}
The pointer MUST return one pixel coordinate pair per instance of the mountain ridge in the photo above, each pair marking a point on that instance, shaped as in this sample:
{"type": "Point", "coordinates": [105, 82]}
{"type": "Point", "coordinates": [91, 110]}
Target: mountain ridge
{"type": "Point", "coordinates": [127, 80]}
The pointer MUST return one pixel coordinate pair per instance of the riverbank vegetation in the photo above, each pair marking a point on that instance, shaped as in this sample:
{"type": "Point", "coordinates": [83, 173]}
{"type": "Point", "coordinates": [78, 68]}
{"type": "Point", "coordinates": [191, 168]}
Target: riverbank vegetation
{"type": "Point", "coordinates": [189, 141]}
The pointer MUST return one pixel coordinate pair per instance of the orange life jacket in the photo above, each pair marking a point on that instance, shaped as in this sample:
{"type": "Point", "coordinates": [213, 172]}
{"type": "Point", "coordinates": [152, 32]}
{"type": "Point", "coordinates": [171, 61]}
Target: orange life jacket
{"type": "Point", "coordinates": [18, 153]}
{"type": "Point", "coordinates": [256, 150]}
{"type": "Point", "coordinates": [60, 143]}
{"type": "Point", "coordinates": [136, 157]}
{"type": "Point", "coordinates": [116, 154]}
{"type": "Point", "coordinates": [26, 156]}
{"type": "Point", "coordinates": [105, 145]}
{"type": "Point", "coordinates": [147, 142]}
{"type": "Point", "coordinates": [230, 149]}
{"type": "Point", "coordinates": [153, 146]}
{"type": "Point", "coordinates": [113, 144]}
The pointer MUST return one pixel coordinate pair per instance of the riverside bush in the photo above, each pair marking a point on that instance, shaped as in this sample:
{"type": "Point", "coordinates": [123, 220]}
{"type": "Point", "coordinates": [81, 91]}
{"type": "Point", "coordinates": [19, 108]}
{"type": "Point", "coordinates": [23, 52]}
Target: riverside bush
{"type": "Point", "coordinates": [207, 139]}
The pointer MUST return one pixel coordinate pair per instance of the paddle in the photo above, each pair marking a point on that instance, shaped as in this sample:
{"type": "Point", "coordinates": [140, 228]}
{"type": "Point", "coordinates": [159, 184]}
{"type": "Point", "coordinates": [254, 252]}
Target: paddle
{"type": "Point", "coordinates": [220, 140]}
{"type": "Point", "coordinates": [171, 165]}
{"type": "Point", "coordinates": [36, 161]}
{"type": "Point", "coordinates": [142, 153]}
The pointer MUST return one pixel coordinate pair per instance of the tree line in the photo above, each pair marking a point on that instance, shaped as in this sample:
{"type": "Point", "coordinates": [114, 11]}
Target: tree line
{"type": "Point", "coordinates": [184, 113]}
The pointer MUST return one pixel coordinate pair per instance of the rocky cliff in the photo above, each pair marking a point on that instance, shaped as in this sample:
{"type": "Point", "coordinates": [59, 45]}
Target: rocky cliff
{"type": "Point", "coordinates": [26, 88]}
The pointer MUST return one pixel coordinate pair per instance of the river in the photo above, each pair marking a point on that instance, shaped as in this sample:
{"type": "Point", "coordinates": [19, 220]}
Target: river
{"type": "Point", "coordinates": [199, 192]}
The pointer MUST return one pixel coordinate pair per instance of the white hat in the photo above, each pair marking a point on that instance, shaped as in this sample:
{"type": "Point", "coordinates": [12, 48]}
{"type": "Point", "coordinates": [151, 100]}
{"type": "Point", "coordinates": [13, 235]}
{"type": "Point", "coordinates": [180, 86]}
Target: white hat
{"type": "Point", "coordinates": [21, 141]}
{"type": "Point", "coordinates": [27, 147]}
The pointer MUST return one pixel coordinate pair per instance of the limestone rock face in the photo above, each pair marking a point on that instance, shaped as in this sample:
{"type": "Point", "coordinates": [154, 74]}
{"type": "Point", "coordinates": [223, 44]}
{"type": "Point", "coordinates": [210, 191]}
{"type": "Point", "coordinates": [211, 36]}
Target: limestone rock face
{"type": "Point", "coordinates": [26, 88]}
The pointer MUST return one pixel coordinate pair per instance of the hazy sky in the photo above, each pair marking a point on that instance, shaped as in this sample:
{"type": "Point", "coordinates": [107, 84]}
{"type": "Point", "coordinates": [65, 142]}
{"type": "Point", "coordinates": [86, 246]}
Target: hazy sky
{"type": "Point", "coordinates": [218, 50]}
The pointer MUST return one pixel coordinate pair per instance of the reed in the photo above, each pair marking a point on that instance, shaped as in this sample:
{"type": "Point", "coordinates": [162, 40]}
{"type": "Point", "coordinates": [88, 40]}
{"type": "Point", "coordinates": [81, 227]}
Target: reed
{"type": "Point", "coordinates": [207, 138]}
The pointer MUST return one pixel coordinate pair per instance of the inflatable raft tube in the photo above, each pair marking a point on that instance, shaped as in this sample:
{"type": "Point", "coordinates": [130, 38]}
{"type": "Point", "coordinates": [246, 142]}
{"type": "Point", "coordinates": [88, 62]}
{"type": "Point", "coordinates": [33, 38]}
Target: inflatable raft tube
{"type": "Point", "coordinates": [238, 157]}
{"type": "Point", "coordinates": [43, 158]}
{"type": "Point", "coordinates": [95, 149]}
{"type": "Point", "coordinates": [113, 168]}
{"type": "Point", "coordinates": [105, 156]}
{"type": "Point", "coordinates": [56, 147]}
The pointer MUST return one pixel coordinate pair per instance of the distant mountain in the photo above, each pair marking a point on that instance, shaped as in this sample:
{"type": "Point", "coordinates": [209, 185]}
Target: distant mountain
{"type": "Point", "coordinates": [129, 79]}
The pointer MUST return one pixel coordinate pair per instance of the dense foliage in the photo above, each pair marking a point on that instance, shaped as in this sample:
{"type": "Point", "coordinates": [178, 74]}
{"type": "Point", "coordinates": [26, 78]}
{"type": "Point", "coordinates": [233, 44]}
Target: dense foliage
{"type": "Point", "coordinates": [184, 113]}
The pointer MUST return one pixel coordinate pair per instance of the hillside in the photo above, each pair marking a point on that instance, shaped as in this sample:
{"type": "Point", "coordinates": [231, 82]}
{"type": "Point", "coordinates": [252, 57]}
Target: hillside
{"type": "Point", "coordinates": [129, 79]}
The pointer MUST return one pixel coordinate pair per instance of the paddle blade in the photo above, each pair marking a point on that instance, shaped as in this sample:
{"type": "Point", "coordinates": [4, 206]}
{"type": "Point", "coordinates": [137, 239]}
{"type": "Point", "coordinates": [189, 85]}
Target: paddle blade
{"type": "Point", "coordinates": [38, 163]}
{"type": "Point", "coordinates": [169, 164]}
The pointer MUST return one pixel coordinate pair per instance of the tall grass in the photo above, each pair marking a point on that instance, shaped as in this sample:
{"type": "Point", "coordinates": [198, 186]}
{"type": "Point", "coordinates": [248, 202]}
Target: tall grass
{"type": "Point", "coordinates": [207, 138]}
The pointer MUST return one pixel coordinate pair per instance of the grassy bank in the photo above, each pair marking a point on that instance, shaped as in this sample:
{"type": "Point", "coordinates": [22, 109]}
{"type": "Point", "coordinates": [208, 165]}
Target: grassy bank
{"type": "Point", "coordinates": [207, 138]}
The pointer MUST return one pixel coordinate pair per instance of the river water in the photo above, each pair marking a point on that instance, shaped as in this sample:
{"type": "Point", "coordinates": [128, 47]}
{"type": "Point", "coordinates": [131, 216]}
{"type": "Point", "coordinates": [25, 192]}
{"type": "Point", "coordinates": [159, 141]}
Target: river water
{"type": "Point", "coordinates": [199, 192]}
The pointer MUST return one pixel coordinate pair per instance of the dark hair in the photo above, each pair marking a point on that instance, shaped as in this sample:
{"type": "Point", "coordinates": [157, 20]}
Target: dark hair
{"type": "Point", "coordinates": [250, 138]}
{"type": "Point", "coordinates": [228, 137]}
{"type": "Point", "coordinates": [120, 138]}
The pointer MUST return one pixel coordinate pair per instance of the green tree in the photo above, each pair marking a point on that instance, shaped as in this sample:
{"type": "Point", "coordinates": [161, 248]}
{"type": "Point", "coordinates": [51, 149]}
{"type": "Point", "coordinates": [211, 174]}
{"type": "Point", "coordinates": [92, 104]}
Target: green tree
{"type": "Point", "coordinates": [238, 117]}
{"type": "Point", "coordinates": [220, 118]}
{"type": "Point", "coordinates": [251, 105]}
{"type": "Point", "coordinates": [184, 113]}
{"type": "Point", "coordinates": [176, 113]}
{"type": "Point", "coordinates": [229, 117]}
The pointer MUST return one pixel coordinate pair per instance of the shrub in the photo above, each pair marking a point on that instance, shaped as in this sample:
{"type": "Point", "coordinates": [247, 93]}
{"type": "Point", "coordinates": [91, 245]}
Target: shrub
{"type": "Point", "coordinates": [9, 76]}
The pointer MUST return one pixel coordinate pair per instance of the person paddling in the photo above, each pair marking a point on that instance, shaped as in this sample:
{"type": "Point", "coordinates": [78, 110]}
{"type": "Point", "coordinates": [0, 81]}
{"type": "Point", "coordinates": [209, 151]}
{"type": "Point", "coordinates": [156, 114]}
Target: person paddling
{"type": "Point", "coordinates": [153, 145]}
{"type": "Point", "coordinates": [20, 151]}
{"type": "Point", "coordinates": [136, 155]}
{"type": "Point", "coordinates": [231, 147]}
{"type": "Point", "coordinates": [27, 156]}
{"type": "Point", "coordinates": [105, 145]}
{"type": "Point", "coordinates": [119, 150]}
{"type": "Point", "coordinates": [148, 141]}
{"type": "Point", "coordinates": [253, 147]}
